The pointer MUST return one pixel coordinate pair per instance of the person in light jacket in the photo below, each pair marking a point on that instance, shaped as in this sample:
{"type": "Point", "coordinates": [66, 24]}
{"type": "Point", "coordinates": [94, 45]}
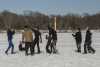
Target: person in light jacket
{"type": "Point", "coordinates": [27, 37]}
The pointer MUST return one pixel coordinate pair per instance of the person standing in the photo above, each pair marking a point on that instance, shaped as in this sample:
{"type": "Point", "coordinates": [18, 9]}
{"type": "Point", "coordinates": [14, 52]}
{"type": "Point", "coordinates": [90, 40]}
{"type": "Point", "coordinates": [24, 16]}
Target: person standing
{"type": "Point", "coordinates": [88, 41]}
{"type": "Point", "coordinates": [27, 37]}
{"type": "Point", "coordinates": [52, 40]}
{"type": "Point", "coordinates": [37, 39]}
{"type": "Point", "coordinates": [78, 38]}
{"type": "Point", "coordinates": [48, 46]}
{"type": "Point", "coordinates": [10, 33]}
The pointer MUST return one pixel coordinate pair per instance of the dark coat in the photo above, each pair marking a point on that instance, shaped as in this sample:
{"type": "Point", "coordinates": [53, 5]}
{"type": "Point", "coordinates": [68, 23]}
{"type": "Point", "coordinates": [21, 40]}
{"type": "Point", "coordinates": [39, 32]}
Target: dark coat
{"type": "Point", "coordinates": [53, 33]}
{"type": "Point", "coordinates": [88, 36]}
{"type": "Point", "coordinates": [10, 34]}
{"type": "Point", "coordinates": [78, 36]}
{"type": "Point", "coordinates": [37, 33]}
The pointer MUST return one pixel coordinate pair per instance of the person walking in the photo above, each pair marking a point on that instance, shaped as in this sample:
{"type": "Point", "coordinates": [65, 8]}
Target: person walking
{"type": "Point", "coordinates": [10, 33]}
{"type": "Point", "coordinates": [88, 41]}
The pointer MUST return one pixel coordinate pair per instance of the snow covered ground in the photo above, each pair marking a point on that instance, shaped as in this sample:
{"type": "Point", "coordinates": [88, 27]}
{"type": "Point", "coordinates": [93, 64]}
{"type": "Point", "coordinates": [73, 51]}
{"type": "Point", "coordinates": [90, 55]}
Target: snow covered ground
{"type": "Point", "coordinates": [67, 57]}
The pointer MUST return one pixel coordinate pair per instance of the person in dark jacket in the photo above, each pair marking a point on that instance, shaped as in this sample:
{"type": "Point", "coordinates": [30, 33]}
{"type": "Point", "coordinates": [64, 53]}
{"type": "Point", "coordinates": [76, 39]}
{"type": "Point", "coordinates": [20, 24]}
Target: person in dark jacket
{"type": "Point", "coordinates": [78, 38]}
{"type": "Point", "coordinates": [88, 41]}
{"type": "Point", "coordinates": [52, 39]}
{"type": "Point", "coordinates": [37, 39]}
{"type": "Point", "coordinates": [10, 34]}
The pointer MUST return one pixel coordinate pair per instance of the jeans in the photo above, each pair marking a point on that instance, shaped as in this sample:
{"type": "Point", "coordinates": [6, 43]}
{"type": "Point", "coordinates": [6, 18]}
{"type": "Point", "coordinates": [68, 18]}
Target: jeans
{"type": "Point", "coordinates": [10, 46]}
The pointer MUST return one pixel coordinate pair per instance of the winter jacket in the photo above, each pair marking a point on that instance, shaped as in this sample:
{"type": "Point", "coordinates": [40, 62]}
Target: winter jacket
{"type": "Point", "coordinates": [10, 34]}
{"type": "Point", "coordinates": [27, 36]}
{"type": "Point", "coordinates": [78, 36]}
{"type": "Point", "coordinates": [53, 33]}
{"type": "Point", "coordinates": [88, 36]}
{"type": "Point", "coordinates": [36, 33]}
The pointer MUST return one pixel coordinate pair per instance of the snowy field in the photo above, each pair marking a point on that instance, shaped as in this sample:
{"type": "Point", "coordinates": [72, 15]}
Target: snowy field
{"type": "Point", "coordinates": [67, 57]}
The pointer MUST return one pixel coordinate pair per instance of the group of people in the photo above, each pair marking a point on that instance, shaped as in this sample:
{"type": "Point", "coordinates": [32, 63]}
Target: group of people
{"type": "Point", "coordinates": [27, 39]}
{"type": "Point", "coordinates": [87, 44]}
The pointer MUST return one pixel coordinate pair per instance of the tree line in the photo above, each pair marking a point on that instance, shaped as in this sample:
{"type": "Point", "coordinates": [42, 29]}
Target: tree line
{"type": "Point", "coordinates": [64, 22]}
